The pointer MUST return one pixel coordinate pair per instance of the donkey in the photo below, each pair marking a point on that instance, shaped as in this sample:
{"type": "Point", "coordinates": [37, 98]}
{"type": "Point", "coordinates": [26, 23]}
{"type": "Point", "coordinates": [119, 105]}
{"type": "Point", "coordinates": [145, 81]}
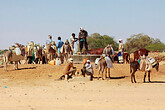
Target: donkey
{"type": "Point", "coordinates": [9, 56]}
{"type": "Point", "coordinates": [139, 53]}
{"type": "Point", "coordinates": [134, 66]}
{"type": "Point", "coordinates": [67, 51]}
{"type": "Point", "coordinates": [52, 52]}
{"type": "Point", "coordinates": [38, 55]}
{"type": "Point", "coordinates": [102, 67]}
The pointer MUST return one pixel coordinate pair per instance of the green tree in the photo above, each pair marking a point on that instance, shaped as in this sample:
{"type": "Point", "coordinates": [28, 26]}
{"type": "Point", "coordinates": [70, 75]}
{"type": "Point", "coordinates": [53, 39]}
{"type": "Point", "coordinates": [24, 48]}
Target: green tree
{"type": "Point", "coordinates": [95, 40]}
{"type": "Point", "coordinates": [156, 47]}
{"type": "Point", "coordinates": [137, 41]}
{"type": "Point", "coordinates": [3, 51]}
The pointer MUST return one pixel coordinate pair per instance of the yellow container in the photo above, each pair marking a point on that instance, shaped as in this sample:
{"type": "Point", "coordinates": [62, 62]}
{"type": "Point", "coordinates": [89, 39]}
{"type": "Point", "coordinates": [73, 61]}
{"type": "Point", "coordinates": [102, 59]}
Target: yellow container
{"type": "Point", "coordinates": [52, 62]}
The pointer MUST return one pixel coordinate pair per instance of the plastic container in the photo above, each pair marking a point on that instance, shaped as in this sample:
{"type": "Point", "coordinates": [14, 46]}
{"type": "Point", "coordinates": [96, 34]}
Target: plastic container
{"type": "Point", "coordinates": [84, 60]}
{"type": "Point", "coordinates": [58, 61]}
{"type": "Point", "coordinates": [52, 62]}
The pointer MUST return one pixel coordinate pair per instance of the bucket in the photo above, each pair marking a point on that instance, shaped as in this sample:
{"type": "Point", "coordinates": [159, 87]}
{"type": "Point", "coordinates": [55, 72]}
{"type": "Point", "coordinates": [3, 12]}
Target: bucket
{"type": "Point", "coordinates": [52, 62]}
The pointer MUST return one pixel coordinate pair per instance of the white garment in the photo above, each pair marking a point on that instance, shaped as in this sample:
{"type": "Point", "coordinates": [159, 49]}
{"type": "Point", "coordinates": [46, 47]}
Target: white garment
{"type": "Point", "coordinates": [109, 62]}
{"type": "Point", "coordinates": [89, 67]}
{"type": "Point", "coordinates": [17, 51]}
{"type": "Point", "coordinates": [121, 46]}
{"type": "Point", "coordinates": [71, 39]}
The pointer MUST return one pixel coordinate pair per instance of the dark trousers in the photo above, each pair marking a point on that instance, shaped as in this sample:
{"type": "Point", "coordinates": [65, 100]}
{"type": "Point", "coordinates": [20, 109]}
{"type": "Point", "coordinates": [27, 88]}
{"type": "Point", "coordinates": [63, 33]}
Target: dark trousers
{"type": "Point", "coordinates": [83, 71]}
{"type": "Point", "coordinates": [83, 43]}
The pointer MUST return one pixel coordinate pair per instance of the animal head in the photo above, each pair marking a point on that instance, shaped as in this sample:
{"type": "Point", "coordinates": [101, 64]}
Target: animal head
{"type": "Point", "coordinates": [157, 67]}
{"type": "Point", "coordinates": [67, 48]}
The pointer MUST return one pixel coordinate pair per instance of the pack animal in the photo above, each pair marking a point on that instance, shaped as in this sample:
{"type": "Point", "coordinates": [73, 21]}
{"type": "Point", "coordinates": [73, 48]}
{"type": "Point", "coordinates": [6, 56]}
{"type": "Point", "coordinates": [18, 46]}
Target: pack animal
{"type": "Point", "coordinates": [10, 56]}
{"type": "Point", "coordinates": [134, 66]}
{"type": "Point", "coordinates": [67, 51]}
{"type": "Point", "coordinates": [103, 67]}
{"type": "Point", "coordinates": [52, 52]}
{"type": "Point", "coordinates": [139, 53]}
{"type": "Point", "coordinates": [126, 57]}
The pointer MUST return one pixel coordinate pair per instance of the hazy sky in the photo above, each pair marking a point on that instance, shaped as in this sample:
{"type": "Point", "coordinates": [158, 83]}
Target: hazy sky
{"type": "Point", "coordinates": [33, 20]}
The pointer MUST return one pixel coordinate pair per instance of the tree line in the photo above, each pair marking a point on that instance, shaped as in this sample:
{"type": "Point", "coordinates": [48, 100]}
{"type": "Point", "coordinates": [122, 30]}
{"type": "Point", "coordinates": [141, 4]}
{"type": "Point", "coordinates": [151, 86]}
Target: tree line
{"type": "Point", "coordinates": [133, 43]}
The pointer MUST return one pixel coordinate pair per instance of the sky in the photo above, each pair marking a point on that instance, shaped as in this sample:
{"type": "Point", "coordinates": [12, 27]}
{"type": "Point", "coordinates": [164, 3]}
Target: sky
{"type": "Point", "coordinates": [23, 21]}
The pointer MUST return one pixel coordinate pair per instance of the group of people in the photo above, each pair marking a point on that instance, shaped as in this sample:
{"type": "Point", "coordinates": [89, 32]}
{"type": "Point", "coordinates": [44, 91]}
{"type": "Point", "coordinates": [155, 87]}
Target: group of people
{"type": "Point", "coordinates": [87, 69]}
{"type": "Point", "coordinates": [82, 38]}
{"type": "Point", "coordinates": [71, 70]}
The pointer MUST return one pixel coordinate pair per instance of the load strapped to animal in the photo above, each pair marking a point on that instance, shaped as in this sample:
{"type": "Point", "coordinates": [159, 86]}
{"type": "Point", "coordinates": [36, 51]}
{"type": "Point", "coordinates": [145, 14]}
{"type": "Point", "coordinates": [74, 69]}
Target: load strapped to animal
{"type": "Point", "coordinates": [104, 63]}
{"type": "Point", "coordinates": [33, 53]}
{"type": "Point", "coordinates": [16, 53]}
{"type": "Point", "coordinates": [143, 63]}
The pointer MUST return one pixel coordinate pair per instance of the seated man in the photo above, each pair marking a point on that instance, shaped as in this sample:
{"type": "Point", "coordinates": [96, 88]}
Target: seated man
{"type": "Point", "coordinates": [87, 69]}
{"type": "Point", "coordinates": [68, 70]}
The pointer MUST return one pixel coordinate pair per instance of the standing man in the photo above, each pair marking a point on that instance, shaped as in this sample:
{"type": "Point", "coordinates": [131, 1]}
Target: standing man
{"type": "Point", "coordinates": [82, 39]}
{"type": "Point", "coordinates": [59, 45]}
{"type": "Point", "coordinates": [121, 51]}
{"type": "Point", "coordinates": [73, 39]}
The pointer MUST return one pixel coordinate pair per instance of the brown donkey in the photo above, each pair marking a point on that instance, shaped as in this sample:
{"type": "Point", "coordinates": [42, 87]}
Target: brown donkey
{"type": "Point", "coordinates": [52, 52]}
{"type": "Point", "coordinates": [103, 67]}
{"type": "Point", "coordinates": [134, 66]}
{"type": "Point", "coordinates": [10, 56]}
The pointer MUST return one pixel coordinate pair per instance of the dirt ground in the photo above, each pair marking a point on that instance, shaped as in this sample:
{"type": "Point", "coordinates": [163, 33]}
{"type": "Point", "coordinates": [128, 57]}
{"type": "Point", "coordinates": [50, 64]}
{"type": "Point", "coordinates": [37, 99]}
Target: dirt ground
{"type": "Point", "coordinates": [34, 87]}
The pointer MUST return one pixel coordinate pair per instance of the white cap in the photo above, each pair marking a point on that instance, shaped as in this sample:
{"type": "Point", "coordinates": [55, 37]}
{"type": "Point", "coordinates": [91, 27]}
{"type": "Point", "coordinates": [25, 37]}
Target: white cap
{"type": "Point", "coordinates": [81, 28]}
{"type": "Point", "coordinates": [104, 55]}
{"type": "Point", "coordinates": [120, 39]}
{"type": "Point", "coordinates": [70, 59]}
{"type": "Point", "coordinates": [88, 61]}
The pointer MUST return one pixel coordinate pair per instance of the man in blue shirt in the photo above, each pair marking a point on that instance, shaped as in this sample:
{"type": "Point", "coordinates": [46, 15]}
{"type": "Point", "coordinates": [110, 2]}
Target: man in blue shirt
{"type": "Point", "coordinates": [59, 45]}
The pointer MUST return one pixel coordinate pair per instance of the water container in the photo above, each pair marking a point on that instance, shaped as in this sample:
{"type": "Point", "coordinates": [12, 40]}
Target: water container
{"type": "Point", "coordinates": [17, 51]}
{"type": "Point", "coordinates": [58, 61]}
{"type": "Point", "coordinates": [84, 60]}
{"type": "Point", "coordinates": [52, 62]}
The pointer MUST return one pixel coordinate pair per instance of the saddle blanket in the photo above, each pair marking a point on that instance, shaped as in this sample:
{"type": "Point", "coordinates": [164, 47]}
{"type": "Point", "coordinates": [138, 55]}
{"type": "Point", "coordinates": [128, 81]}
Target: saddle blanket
{"type": "Point", "coordinates": [108, 61]}
{"type": "Point", "coordinates": [147, 64]}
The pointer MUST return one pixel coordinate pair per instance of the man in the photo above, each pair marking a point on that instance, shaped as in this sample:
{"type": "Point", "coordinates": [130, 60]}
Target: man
{"type": "Point", "coordinates": [121, 51]}
{"type": "Point", "coordinates": [87, 69]}
{"type": "Point", "coordinates": [108, 51]}
{"type": "Point", "coordinates": [73, 39]}
{"type": "Point", "coordinates": [49, 41]}
{"type": "Point", "coordinates": [68, 70]}
{"type": "Point", "coordinates": [59, 45]}
{"type": "Point", "coordinates": [82, 39]}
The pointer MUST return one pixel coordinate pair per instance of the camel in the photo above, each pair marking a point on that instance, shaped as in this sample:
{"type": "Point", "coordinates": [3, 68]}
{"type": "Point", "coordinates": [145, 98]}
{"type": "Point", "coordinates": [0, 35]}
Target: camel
{"type": "Point", "coordinates": [134, 66]}
{"type": "Point", "coordinates": [11, 56]}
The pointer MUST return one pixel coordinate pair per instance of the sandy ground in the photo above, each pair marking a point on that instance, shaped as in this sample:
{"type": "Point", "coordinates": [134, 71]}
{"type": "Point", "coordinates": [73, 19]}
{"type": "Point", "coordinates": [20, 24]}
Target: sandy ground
{"type": "Point", "coordinates": [34, 87]}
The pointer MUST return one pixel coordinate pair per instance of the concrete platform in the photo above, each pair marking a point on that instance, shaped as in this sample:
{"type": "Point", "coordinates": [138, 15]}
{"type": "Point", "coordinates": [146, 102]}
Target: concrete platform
{"type": "Point", "coordinates": [79, 58]}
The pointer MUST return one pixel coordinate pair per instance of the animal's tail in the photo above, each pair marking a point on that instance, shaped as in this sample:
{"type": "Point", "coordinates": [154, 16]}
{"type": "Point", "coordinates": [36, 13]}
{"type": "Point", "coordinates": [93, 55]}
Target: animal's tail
{"type": "Point", "coordinates": [130, 68]}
